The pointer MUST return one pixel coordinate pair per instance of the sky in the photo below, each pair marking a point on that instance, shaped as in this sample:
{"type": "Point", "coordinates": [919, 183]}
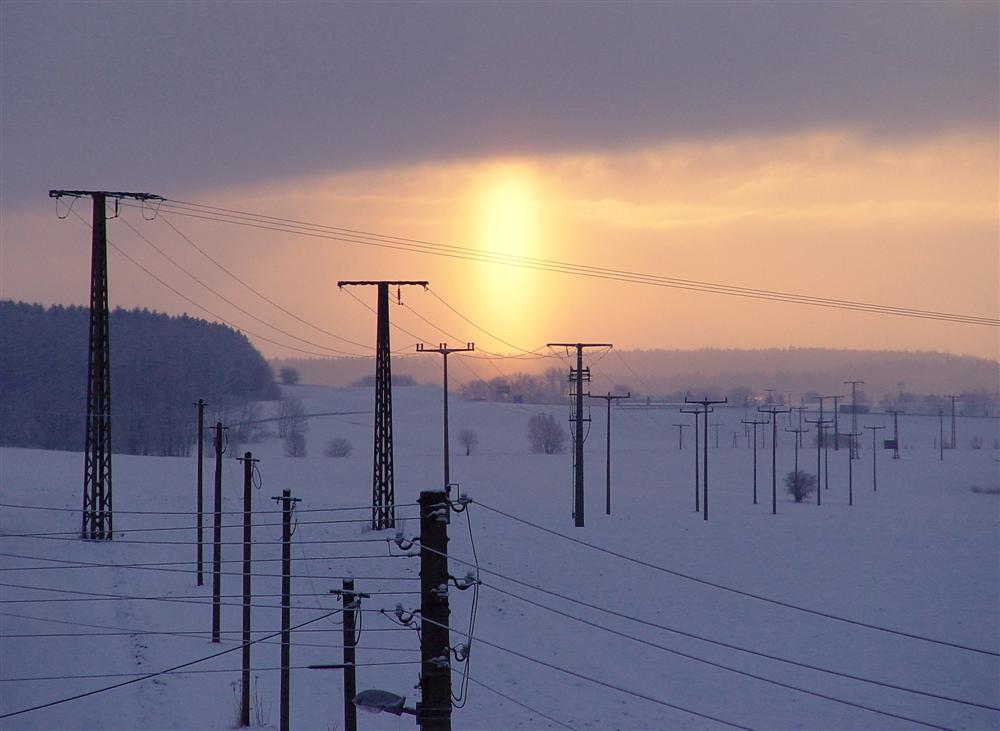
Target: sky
{"type": "Point", "coordinates": [841, 150]}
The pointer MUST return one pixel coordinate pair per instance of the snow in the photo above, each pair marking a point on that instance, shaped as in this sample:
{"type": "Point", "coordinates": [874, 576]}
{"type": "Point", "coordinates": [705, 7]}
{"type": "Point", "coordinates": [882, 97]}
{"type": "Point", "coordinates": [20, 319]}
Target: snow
{"type": "Point", "coordinates": [920, 555]}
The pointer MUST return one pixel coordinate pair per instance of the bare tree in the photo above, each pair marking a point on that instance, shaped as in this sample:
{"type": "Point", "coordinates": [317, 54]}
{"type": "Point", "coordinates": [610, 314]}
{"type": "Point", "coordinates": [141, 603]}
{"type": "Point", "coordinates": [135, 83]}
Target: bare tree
{"type": "Point", "coordinates": [291, 413]}
{"type": "Point", "coordinates": [469, 439]}
{"type": "Point", "coordinates": [545, 434]}
{"type": "Point", "coordinates": [295, 442]}
{"type": "Point", "coordinates": [338, 447]}
{"type": "Point", "coordinates": [800, 484]}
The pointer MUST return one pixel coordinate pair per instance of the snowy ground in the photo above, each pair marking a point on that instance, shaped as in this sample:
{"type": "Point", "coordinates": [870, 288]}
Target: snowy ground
{"type": "Point", "coordinates": [919, 556]}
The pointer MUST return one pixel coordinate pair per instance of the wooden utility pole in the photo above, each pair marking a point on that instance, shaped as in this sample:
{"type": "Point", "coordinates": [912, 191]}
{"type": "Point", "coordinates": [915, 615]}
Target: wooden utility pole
{"type": "Point", "coordinates": [248, 464]}
{"type": "Point", "coordinates": [705, 404]}
{"type": "Point", "coordinates": [697, 498]}
{"type": "Point", "coordinates": [798, 434]}
{"type": "Point", "coordinates": [287, 505]}
{"type": "Point", "coordinates": [821, 425]}
{"type": "Point", "coordinates": [445, 351]}
{"type": "Point", "coordinates": [383, 490]}
{"type": "Point", "coordinates": [755, 424]}
{"type": "Point", "coordinates": [577, 377]}
{"type": "Point", "coordinates": [97, 519]}
{"type": "Point", "coordinates": [434, 711]}
{"type": "Point", "coordinates": [774, 411]}
{"type": "Point", "coordinates": [954, 432]}
{"type": "Point", "coordinates": [895, 432]}
{"type": "Point", "coordinates": [874, 430]}
{"type": "Point", "coordinates": [609, 398]}
{"type": "Point", "coordinates": [352, 605]}
{"type": "Point", "coordinates": [850, 471]}
{"type": "Point", "coordinates": [217, 538]}
{"type": "Point", "coordinates": [201, 505]}
{"type": "Point", "coordinates": [680, 435]}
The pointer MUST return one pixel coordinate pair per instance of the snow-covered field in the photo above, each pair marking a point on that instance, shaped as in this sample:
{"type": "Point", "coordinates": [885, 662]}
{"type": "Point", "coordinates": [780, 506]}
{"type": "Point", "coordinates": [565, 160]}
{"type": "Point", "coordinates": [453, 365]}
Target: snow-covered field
{"type": "Point", "coordinates": [919, 556]}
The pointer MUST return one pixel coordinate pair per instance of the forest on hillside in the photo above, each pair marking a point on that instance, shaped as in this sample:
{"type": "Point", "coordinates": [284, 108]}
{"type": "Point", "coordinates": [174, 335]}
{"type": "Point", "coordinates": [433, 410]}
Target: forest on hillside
{"type": "Point", "coordinates": [160, 365]}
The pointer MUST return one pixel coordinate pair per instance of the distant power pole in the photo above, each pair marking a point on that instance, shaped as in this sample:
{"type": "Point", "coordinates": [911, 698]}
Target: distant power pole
{"type": "Point", "coordinates": [798, 432]}
{"type": "Point", "coordinates": [609, 398]}
{"type": "Point", "coordinates": [895, 432]}
{"type": "Point", "coordinates": [697, 499]}
{"type": "Point", "coordinates": [822, 434]}
{"type": "Point", "coordinates": [874, 456]}
{"type": "Point", "coordinates": [716, 427]}
{"type": "Point", "coordinates": [850, 471]}
{"type": "Point", "coordinates": [201, 485]}
{"type": "Point", "coordinates": [97, 519]}
{"type": "Point", "coordinates": [383, 491]}
{"type": "Point", "coordinates": [954, 433]}
{"type": "Point", "coordinates": [821, 425]}
{"type": "Point", "coordinates": [445, 351]}
{"type": "Point", "coordinates": [706, 404]}
{"type": "Point", "coordinates": [941, 434]}
{"type": "Point", "coordinates": [577, 376]}
{"type": "Point", "coordinates": [680, 435]}
{"type": "Point", "coordinates": [774, 411]}
{"type": "Point", "coordinates": [836, 423]}
{"type": "Point", "coordinates": [755, 424]}
{"type": "Point", "coordinates": [854, 414]}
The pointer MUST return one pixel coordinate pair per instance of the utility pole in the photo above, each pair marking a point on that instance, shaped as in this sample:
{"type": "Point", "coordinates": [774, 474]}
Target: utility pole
{"type": "Point", "coordinates": [770, 396]}
{"type": "Point", "coordinates": [352, 605]}
{"type": "Point", "coordinates": [850, 471]}
{"type": "Point", "coordinates": [97, 521]}
{"type": "Point", "coordinates": [874, 457]}
{"type": "Point", "coordinates": [941, 433]}
{"type": "Point", "coordinates": [774, 411]}
{"type": "Point", "coordinates": [248, 463]}
{"type": "Point", "coordinates": [706, 404]}
{"type": "Point", "coordinates": [445, 351]}
{"type": "Point", "coordinates": [822, 436]}
{"type": "Point", "coordinates": [578, 376]}
{"type": "Point", "coordinates": [854, 414]}
{"type": "Point", "coordinates": [821, 425]}
{"type": "Point", "coordinates": [716, 427]}
{"type": "Point", "coordinates": [287, 505]}
{"type": "Point", "coordinates": [836, 423]}
{"type": "Point", "coordinates": [201, 452]}
{"type": "Point", "coordinates": [798, 434]}
{"type": "Point", "coordinates": [799, 410]}
{"type": "Point", "coordinates": [680, 435]}
{"type": "Point", "coordinates": [895, 432]}
{"type": "Point", "coordinates": [954, 433]}
{"type": "Point", "coordinates": [609, 398]}
{"type": "Point", "coordinates": [755, 424]}
{"type": "Point", "coordinates": [697, 499]}
{"type": "Point", "coordinates": [383, 492]}
{"type": "Point", "coordinates": [217, 538]}
{"type": "Point", "coordinates": [434, 711]}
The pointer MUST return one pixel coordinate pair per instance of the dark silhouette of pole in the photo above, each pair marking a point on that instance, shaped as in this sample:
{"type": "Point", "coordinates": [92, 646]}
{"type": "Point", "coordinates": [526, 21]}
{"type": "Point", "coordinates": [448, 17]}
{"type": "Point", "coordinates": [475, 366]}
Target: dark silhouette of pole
{"type": "Point", "coordinates": [352, 605]}
{"type": "Point", "coordinates": [798, 433]}
{"type": "Point", "coordinates": [821, 425]}
{"type": "Point", "coordinates": [287, 505]}
{"type": "Point", "coordinates": [954, 432]}
{"type": "Point", "coordinates": [435, 644]}
{"type": "Point", "coordinates": [941, 434]}
{"type": "Point", "coordinates": [755, 424]}
{"type": "Point", "coordinates": [850, 471]}
{"type": "Point", "coordinates": [716, 427]}
{"type": "Point", "coordinates": [445, 351]}
{"type": "Point", "coordinates": [874, 430]}
{"type": "Point", "coordinates": [895, 432]}
{"type": "Point", "coordinates": [854, 414]}
{"type": "Point", "coordinates": [383, 490]}
{"type": "Point", "coordinates": [826, 455]}
{"type": "Point", "coordinates": [706, 405]}
{"type": "Point", "coordinates": [577, 377]}
{"type": "Point", "coordinates": [97, 516]}
{"type": "Point", "coordinates": [798, 436]}
{"type": "Point", "coordinates": [609, 398]}
{"type": "Point", "coordinates": [836, 423]}
{"type": "Point", "coordinates": [680, 435]}
{"type": "Point", "coordinates": [697, 481]}
{"type": "Point", "coordinates": [774, 411]}
{"type": "Point", "coordinates": [248, 463]}
{"type": "Point", "coordinates": [201, 482]}
{"type": "Point", "coordinates": [217, 538]}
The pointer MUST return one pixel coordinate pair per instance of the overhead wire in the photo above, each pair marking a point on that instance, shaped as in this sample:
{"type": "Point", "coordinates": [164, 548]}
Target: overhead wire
{"type": "Point", "coordinates": [522, 704]}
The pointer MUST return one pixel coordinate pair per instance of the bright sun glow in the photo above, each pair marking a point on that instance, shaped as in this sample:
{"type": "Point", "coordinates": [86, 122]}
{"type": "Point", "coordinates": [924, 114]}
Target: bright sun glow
{"type": "Point", "coordinates": [507, 220]}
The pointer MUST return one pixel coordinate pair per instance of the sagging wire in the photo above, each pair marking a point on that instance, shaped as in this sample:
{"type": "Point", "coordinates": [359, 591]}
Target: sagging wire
{"type": "Point", "coordinates": [463, 651]}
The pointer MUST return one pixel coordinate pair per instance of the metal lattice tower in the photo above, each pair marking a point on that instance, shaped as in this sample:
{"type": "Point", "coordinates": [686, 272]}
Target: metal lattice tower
{"type": "Point", "coordinates": [97, 519]}
{"type": "Point", "coordinates": [383, 491]}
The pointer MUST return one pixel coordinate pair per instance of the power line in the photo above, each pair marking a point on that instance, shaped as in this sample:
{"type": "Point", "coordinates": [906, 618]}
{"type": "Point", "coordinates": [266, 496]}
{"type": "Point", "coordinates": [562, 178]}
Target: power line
{"type": "Point", "coordinates": [751, 595]}
{"type": "Point", "coordinates": [523, 705]}
{"type": "Point", "coordinates": [157, 674]}
{"type": "Point", "coordinates": [581, 676]}
{"type": "Point", "coordinates": [272, 223]}
{"type": "Point", "coordinates": [298, 511]}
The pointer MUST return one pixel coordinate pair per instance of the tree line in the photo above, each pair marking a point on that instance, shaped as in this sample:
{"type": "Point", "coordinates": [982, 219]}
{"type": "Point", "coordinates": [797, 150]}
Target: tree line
{"type": "Point", "coordinates": [160, 365]}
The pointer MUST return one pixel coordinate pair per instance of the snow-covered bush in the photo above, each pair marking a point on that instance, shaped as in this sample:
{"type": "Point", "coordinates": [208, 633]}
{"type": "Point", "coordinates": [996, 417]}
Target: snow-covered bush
{"type": "Point", "coordinates": [545, 434]}
{"type": "Point", "coordinates": [800, 484]}
{"type": "Point", "coordinates": [338, 447]}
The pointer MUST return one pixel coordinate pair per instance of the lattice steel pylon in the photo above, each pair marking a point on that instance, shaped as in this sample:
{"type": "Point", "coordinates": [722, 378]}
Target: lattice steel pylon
{"type": "Point", "coordinates": [383, 489]}
{"type": "Point", "coordinates": [97, 519]}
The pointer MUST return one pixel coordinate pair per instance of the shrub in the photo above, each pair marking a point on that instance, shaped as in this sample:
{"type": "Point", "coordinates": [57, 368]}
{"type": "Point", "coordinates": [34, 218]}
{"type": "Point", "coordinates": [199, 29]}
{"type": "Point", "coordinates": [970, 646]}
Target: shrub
{"type": "Point", "coordinates": [800, 484]}
{"type": "Point", "coordinates": [338, 447]}
{"type": "Point", "coordinates": [545, 434]}
{"type": "Point", "coordinates": [977, 442]}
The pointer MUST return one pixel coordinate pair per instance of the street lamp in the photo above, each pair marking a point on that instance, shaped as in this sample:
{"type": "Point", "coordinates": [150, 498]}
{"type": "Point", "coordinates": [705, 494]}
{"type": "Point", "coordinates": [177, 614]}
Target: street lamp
{"type": "Point", "coordinates": [376, 701]}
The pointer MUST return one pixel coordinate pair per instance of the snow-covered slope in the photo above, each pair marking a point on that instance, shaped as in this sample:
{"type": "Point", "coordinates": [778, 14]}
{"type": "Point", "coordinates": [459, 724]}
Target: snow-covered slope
{"type": "Point", "coordinates": [919, 556]}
